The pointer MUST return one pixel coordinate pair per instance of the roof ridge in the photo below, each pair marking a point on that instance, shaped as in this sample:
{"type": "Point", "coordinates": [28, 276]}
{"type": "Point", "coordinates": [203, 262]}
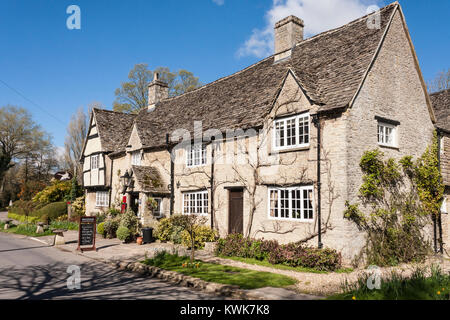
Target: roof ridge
{"type": "Point", "coordinates": [438, 92]}
{"type": "Point", "coordinates": [345, 25]}
{"type": "Point", "coordinates": [112, 111]}
{"type": "Point", "coordinates": [271, 56]}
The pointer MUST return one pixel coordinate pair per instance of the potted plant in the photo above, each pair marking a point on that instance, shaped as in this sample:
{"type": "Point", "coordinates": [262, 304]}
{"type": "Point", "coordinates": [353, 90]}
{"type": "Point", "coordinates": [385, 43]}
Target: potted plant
{"type": "Point", "coordinates": [139, 240]}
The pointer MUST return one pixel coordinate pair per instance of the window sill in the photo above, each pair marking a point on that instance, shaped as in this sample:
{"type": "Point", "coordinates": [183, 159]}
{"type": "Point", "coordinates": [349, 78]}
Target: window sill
{"type": "Point", "coordinates": [292, 220]}
{"type": "Point", "coordinates": [290, 150]}
{"type": "Point", "coordinates": [389, 147]}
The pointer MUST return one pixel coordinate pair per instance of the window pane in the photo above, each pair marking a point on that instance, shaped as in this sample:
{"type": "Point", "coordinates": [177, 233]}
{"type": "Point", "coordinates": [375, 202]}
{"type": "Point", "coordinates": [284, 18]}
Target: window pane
{"type": "Point", "coordinates": [279, 129]}
{"type": "Point", "coordinates": [273, 203]}
{"type": "Point", "coordinates": [296, 204]}
{"type": "Point", "coordinates": [290, 136]}
{"type": "Point", "coordinates": [303, 130]}
{"type": "Point", "coordinates": [307, 204]}
{"type": "Point", "coordinates": [284, 210]}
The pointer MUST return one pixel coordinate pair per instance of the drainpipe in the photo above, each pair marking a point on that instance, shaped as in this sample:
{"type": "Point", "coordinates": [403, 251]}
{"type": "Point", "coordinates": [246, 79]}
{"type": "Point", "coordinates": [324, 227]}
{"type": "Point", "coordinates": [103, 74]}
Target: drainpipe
{"type": "Point", "coordinates": [316, 122]}
{"type": "Point", "coordinates": [110, 182]}
{"type": "Point", "coordinates": [441, 246]}
{"type": "Point", "coordinates": [211, 182]}
{"type": "Point", "coordinates": [172, 177]}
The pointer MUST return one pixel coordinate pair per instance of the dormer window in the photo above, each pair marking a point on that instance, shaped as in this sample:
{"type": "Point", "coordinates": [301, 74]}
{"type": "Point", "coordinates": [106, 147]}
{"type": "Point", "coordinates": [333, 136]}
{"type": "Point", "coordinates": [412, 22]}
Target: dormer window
{"type": "Point", "coordinates": [387, 132]}
{"type": "Point", "coordinates": [291, 132]}
{"type": "Point", "coordinates": [136, 158]}
{"type": "Point", "coordinates": [196, 155]}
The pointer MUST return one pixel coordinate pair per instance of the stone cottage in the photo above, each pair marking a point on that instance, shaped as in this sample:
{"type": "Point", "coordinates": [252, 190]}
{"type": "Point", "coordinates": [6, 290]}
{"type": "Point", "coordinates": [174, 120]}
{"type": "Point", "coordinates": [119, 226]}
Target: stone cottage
{"type": "Point", "coordinates": [441, 105]}
{"type": "Point", "coordinates": [271, 151]}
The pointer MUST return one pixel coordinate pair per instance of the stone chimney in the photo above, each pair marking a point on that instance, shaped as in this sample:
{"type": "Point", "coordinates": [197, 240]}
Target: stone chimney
{"type": "Point", "coordinates": [288, 32]}
{"type": "Point", "coordinates": [157, 91]}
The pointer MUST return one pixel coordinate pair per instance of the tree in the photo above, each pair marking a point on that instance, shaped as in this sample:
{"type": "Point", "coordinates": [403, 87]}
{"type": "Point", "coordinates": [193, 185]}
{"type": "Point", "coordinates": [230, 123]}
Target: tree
{"type": "Point", "coordinates": [73, 145]}
{"type": "Point", "coordinates": [440, 82]}
{"type": "Point", "coordinates": [20, 138]}
{"type": "Point", "coordinates": [189, 223]}
{"type": "Point", "coordinates": [132, 95]}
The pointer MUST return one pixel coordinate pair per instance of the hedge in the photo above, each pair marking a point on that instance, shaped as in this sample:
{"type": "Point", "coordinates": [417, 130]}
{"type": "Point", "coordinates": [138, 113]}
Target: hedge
{"type": "Point", "coordinates": [22, 218]}
{"type": "Point", "coordinates": [52, 211]}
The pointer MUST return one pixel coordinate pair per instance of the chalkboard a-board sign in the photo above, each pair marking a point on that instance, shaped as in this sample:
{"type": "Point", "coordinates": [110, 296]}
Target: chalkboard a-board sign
{"type": "Point", "coordinates": [86, 233]}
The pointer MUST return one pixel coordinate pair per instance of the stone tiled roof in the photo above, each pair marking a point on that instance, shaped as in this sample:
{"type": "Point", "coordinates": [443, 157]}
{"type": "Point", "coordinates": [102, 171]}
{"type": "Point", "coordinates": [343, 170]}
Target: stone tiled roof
{"type": "Point", "coordinates": [441, 106]}
{"type": "Point", "coordinates": [114, 129]}
{"type": "Point", "coordinates": [150, 179]}
{"type": "Point", "coordinates": [329, 67]}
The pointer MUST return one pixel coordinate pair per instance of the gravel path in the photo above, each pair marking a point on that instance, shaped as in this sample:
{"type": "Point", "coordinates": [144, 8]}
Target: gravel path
{"type": "Point", "coordinates": [323, 284]}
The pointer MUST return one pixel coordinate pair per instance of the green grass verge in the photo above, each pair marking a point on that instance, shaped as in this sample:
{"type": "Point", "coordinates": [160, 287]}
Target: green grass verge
{"type": "Point", "coordinates": [395, 287]}
{"type": "Point", "coordinates": [24, 229]}
{"type": "Point", "coordinates": [266, 263]}
{"type": "Point", "coordinates": [30, 229]}
{"type": "Point", "coordinates": [244, 278]}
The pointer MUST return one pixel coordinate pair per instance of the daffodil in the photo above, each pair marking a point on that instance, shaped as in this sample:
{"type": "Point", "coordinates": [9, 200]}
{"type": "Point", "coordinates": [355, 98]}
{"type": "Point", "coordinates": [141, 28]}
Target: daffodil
{"type": "Point", "coordinates": [354, 298]}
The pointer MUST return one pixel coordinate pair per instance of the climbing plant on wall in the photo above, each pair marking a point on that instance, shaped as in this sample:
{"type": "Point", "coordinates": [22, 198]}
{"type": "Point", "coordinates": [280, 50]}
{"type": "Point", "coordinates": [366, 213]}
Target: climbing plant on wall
{"type": "Point", "coordinates": [397, 200]}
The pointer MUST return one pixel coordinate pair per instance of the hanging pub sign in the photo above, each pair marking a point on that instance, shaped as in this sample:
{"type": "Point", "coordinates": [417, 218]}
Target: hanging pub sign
{"type": "Point", "coordinates": [63, 176]}
{"type": "Point", "coordinates": [86, 234]}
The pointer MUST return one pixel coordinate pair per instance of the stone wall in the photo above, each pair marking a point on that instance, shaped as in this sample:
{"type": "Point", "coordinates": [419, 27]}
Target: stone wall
{"type": "Point", "coordinates": [391, 90]}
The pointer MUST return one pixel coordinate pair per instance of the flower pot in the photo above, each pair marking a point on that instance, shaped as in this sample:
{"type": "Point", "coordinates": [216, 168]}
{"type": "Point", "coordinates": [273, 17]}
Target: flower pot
{"type": "Point", "coordinates": [139, 240]}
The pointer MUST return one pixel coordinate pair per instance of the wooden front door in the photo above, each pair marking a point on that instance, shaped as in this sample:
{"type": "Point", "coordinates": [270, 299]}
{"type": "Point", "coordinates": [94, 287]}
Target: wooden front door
{"type": "Point", "coordinates": [134, 202]}
{"type": "Point", "coordinates": [236, 211]}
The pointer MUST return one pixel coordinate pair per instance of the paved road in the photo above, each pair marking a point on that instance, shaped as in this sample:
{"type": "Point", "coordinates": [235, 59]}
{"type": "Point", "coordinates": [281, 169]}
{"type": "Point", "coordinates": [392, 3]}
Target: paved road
{"type": "Point", "coordinates": [31, 270]}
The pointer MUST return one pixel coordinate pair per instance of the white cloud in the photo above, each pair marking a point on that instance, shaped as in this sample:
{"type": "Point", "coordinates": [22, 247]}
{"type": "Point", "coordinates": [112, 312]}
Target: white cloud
{"type": "Point", "coordinates": [318, 15]}
{"type": "Point", "coordinates": [219, 2]}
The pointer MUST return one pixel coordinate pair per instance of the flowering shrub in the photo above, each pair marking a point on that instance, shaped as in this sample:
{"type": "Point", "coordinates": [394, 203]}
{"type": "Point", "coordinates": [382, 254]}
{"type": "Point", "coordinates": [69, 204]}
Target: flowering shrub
{"type": "Point", "coordinates": [167, 231]}
{"type": "Point", "coordinates": [292, 254]}
{"type": "Point", "coordinates": [55, 192]}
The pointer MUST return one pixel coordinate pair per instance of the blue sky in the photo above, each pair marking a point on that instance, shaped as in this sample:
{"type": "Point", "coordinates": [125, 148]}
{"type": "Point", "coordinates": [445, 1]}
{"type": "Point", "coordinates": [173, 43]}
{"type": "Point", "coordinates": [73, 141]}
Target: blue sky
{"type": "Point", "coordinates": [52, 71]}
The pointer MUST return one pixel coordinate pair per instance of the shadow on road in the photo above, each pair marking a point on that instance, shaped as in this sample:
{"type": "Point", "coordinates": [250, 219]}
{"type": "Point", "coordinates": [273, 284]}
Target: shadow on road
{"type": "Point", "coordinates": [29, 248]}
{"type": "Point", "coordinates": [98, 281]}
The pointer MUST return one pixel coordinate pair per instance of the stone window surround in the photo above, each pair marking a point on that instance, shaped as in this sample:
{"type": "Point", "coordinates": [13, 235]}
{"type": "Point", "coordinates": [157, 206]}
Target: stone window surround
{"type": "Point", "coordinates": [388, 123]}
{"type": "Point", "coordinates": [290, 219]}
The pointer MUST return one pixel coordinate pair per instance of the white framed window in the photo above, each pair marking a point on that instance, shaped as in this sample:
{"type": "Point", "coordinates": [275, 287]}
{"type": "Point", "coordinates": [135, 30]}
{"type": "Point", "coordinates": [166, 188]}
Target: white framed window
{"type": "Point", "coordinates": [294, 203]}
{"type": "Point", "coordinates": [157, 212]}
{"type": "Point", "coordinates": [94, 162]}
{"type": "Point", "coordinates": [102, 199]}
{"type": "Point", "coordinates": [195, 202]}
{"type": "Point", "coordinates": [136, 158]}
{"type": "Point", "coordinates": [196, 155]}
{"type": "Point", "coordinates": [444, 205]}
{"type": "Point", "coordinates": [387, 134]}
{"type": "Point", "coordinates": [291, 132]}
